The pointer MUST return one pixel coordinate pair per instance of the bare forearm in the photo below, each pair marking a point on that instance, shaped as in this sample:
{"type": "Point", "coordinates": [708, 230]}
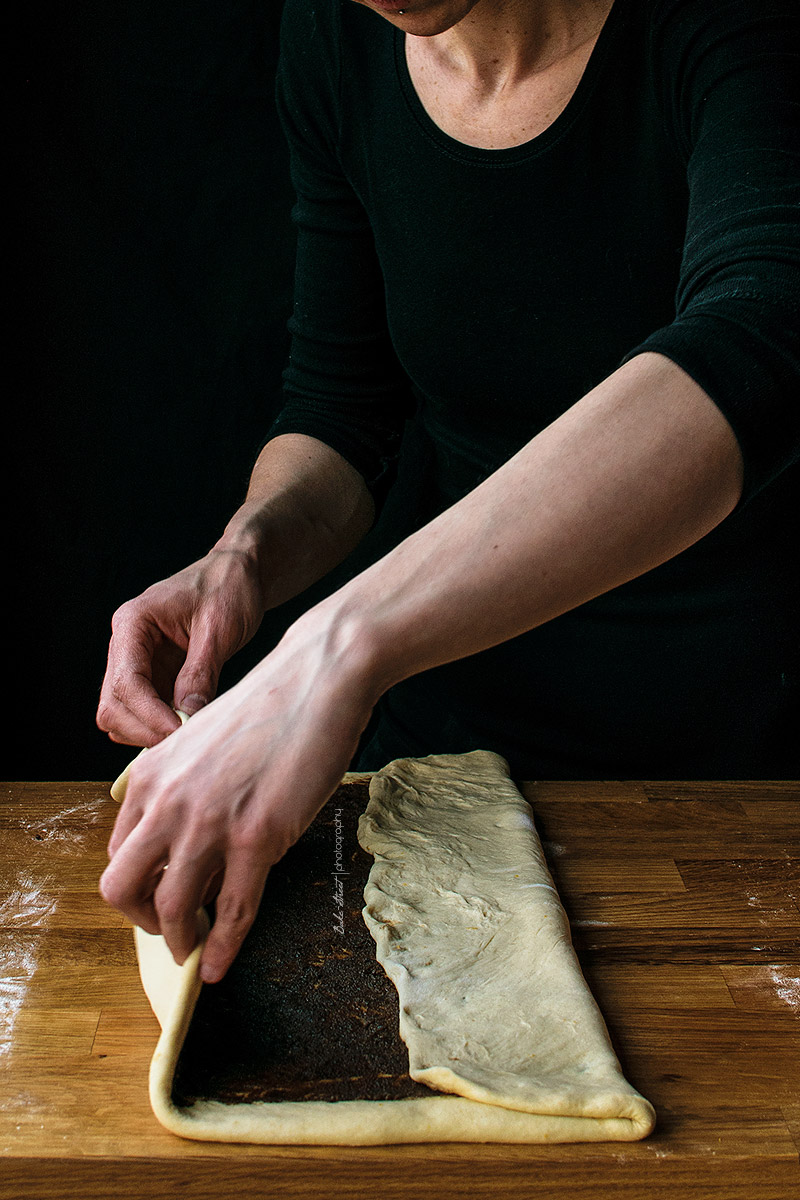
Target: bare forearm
{"type": "Point", "coordinates": [306, 509]}
{"type": "Point", "coordinates": [637, 471]}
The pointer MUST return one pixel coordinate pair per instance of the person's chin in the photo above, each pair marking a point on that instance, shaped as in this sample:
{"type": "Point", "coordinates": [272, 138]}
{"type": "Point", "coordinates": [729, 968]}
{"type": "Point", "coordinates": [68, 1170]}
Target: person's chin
{"type": "Point", "coordinates": [424, 18]}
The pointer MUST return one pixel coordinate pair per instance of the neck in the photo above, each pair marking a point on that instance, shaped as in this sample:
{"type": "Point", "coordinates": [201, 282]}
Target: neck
{"type": "Point", "coordinates": [501, 42]}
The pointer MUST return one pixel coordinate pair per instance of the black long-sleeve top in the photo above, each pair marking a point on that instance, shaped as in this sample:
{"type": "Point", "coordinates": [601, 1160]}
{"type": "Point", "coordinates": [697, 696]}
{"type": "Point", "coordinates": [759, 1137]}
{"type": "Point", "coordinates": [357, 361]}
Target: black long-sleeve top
{"type": "Point", "coordinates": [491, 289]}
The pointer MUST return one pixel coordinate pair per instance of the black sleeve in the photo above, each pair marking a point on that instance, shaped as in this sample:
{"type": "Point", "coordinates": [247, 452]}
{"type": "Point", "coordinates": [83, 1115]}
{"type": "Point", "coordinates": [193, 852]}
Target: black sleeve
{"type": "Point", "coordinates": [728, 73]}
{"type": "Point", "coordinates": [343, 383]}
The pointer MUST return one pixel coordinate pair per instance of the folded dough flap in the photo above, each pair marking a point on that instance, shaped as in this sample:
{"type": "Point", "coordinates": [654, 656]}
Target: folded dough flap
{"type": "Point", "coordinates": [469, 927]}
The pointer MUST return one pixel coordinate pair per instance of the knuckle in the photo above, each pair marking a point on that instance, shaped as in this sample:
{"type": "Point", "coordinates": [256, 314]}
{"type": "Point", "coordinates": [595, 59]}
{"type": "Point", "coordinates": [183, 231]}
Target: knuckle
{"type": "Point", "coordinates": [124, 615]}
{"type": "Point", "coordinates": [248, 843]}
{"type": "Point", "coordinates": [120, 686]}
{"type": "Point", "coordinates": [105, 716]}
{"type": "Point", "coordinates": [113, 891]}
{"type": "Point", "coordinates": [172, 909]}
{"type": "Point", "coordinates": [203, 677]}
{"type": "Point", "coordinates": [204, 829]}
{"type": "Point", "coordinates": [107, 891]}
{"type": "Point", "coordinates": [261, 834]}
{"type": "Point", "coordinates": [236, 913]}
{"type": "Point", "coordinates": [265, 843]}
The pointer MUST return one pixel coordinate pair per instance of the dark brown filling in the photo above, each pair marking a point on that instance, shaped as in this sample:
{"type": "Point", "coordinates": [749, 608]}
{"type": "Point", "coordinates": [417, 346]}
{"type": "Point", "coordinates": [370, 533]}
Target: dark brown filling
{"type": "Point", "coordinates": [305, 1012]}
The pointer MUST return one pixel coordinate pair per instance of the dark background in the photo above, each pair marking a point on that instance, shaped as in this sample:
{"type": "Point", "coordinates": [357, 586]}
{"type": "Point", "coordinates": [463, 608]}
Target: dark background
{"type": "Point", "coordinates": [155, 253]}
{"type": "Point", "coordinates": [156, 270]}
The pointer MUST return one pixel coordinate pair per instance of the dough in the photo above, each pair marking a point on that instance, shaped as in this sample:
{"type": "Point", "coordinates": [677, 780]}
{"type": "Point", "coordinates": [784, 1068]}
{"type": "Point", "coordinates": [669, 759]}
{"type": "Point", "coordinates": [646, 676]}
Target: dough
{"type": "Point", "coordinates": [470, 929]}
{"type": "Point", "coordinates": [493, 1006]}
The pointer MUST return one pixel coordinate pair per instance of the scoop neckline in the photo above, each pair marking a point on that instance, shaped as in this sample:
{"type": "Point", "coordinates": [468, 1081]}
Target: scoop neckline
{"type": "Point", "coordinates": [542, 141]}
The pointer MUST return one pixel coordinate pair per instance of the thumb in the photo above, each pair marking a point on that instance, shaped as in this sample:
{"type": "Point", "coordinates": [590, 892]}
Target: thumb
{"type": "Point", "coordinates": [197, 681]}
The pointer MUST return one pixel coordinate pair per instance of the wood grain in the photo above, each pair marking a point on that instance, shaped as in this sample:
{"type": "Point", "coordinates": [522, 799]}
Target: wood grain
{"type": "Point", "coordinates": [684, 903]}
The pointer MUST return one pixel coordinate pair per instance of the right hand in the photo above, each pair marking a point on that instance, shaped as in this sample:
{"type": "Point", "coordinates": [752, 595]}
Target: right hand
{"type": "Point", "coordinates": [224, 798]}
{"type": "Point", "coordinates": [169, 645]}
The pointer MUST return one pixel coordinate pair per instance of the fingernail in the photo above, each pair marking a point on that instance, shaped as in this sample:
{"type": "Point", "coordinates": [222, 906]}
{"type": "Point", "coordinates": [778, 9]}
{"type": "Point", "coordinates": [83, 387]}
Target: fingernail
{"type": "Point", "coordinates": [192, 704]}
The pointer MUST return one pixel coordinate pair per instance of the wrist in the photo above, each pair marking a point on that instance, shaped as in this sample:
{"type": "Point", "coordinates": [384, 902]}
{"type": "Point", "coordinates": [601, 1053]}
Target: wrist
{"type": "Point", "coordinates": [357, 638]}
{"type": "Point", "coordinates": [347, 648]}
{"type": "Point", "coordinates": [251, 538]}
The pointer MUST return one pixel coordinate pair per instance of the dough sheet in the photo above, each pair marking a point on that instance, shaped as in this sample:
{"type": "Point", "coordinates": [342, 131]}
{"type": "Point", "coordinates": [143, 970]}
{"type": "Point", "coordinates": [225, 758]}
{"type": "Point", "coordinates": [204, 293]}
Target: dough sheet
{"type": "Point", "coordinates": [497, 1017]}
{"type": "Point", "coordinates": [469, 927]}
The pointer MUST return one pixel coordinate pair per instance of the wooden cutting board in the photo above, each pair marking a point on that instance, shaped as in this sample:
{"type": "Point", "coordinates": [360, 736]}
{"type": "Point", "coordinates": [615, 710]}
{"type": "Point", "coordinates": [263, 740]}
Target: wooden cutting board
{"type": "Point", "coordinates": [683, 900]}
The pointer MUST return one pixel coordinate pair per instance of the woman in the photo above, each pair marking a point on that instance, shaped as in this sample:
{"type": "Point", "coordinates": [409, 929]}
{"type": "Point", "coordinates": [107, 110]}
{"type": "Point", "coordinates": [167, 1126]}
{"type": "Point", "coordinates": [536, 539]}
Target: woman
{"type": "Point", "coordinates": [566, 231]}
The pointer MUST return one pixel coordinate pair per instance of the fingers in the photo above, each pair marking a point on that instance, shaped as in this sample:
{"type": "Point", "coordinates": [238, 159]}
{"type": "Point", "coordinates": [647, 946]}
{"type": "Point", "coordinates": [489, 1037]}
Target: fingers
{"type": "Point", "coordinates": [161, 871]}
{"type": "Point", "coordinates": [120, 785]}
{"type": "Point", "coordinates": [138, 853]}
{"type": "Point", "coordinates": [169, 645]}
{"type": "Point", "coordinates": [130, 709]}
{"type": "Point", "coordinates": [142, 665]}
{"type": "Point", "coordinates": [160, 896]}
{"type": "Point", "coordinates": [181, 891]}
{"type": "Point", "coordinates": [213, 886]}
{"type": "Point", "coordinates": [137, 902]}
{"type": "Point", "coordinates": [166, 896]}
{"type": "Point", "coordinates": [135, 716]}
{"type": "Point", "coordinates": [236, 910]}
